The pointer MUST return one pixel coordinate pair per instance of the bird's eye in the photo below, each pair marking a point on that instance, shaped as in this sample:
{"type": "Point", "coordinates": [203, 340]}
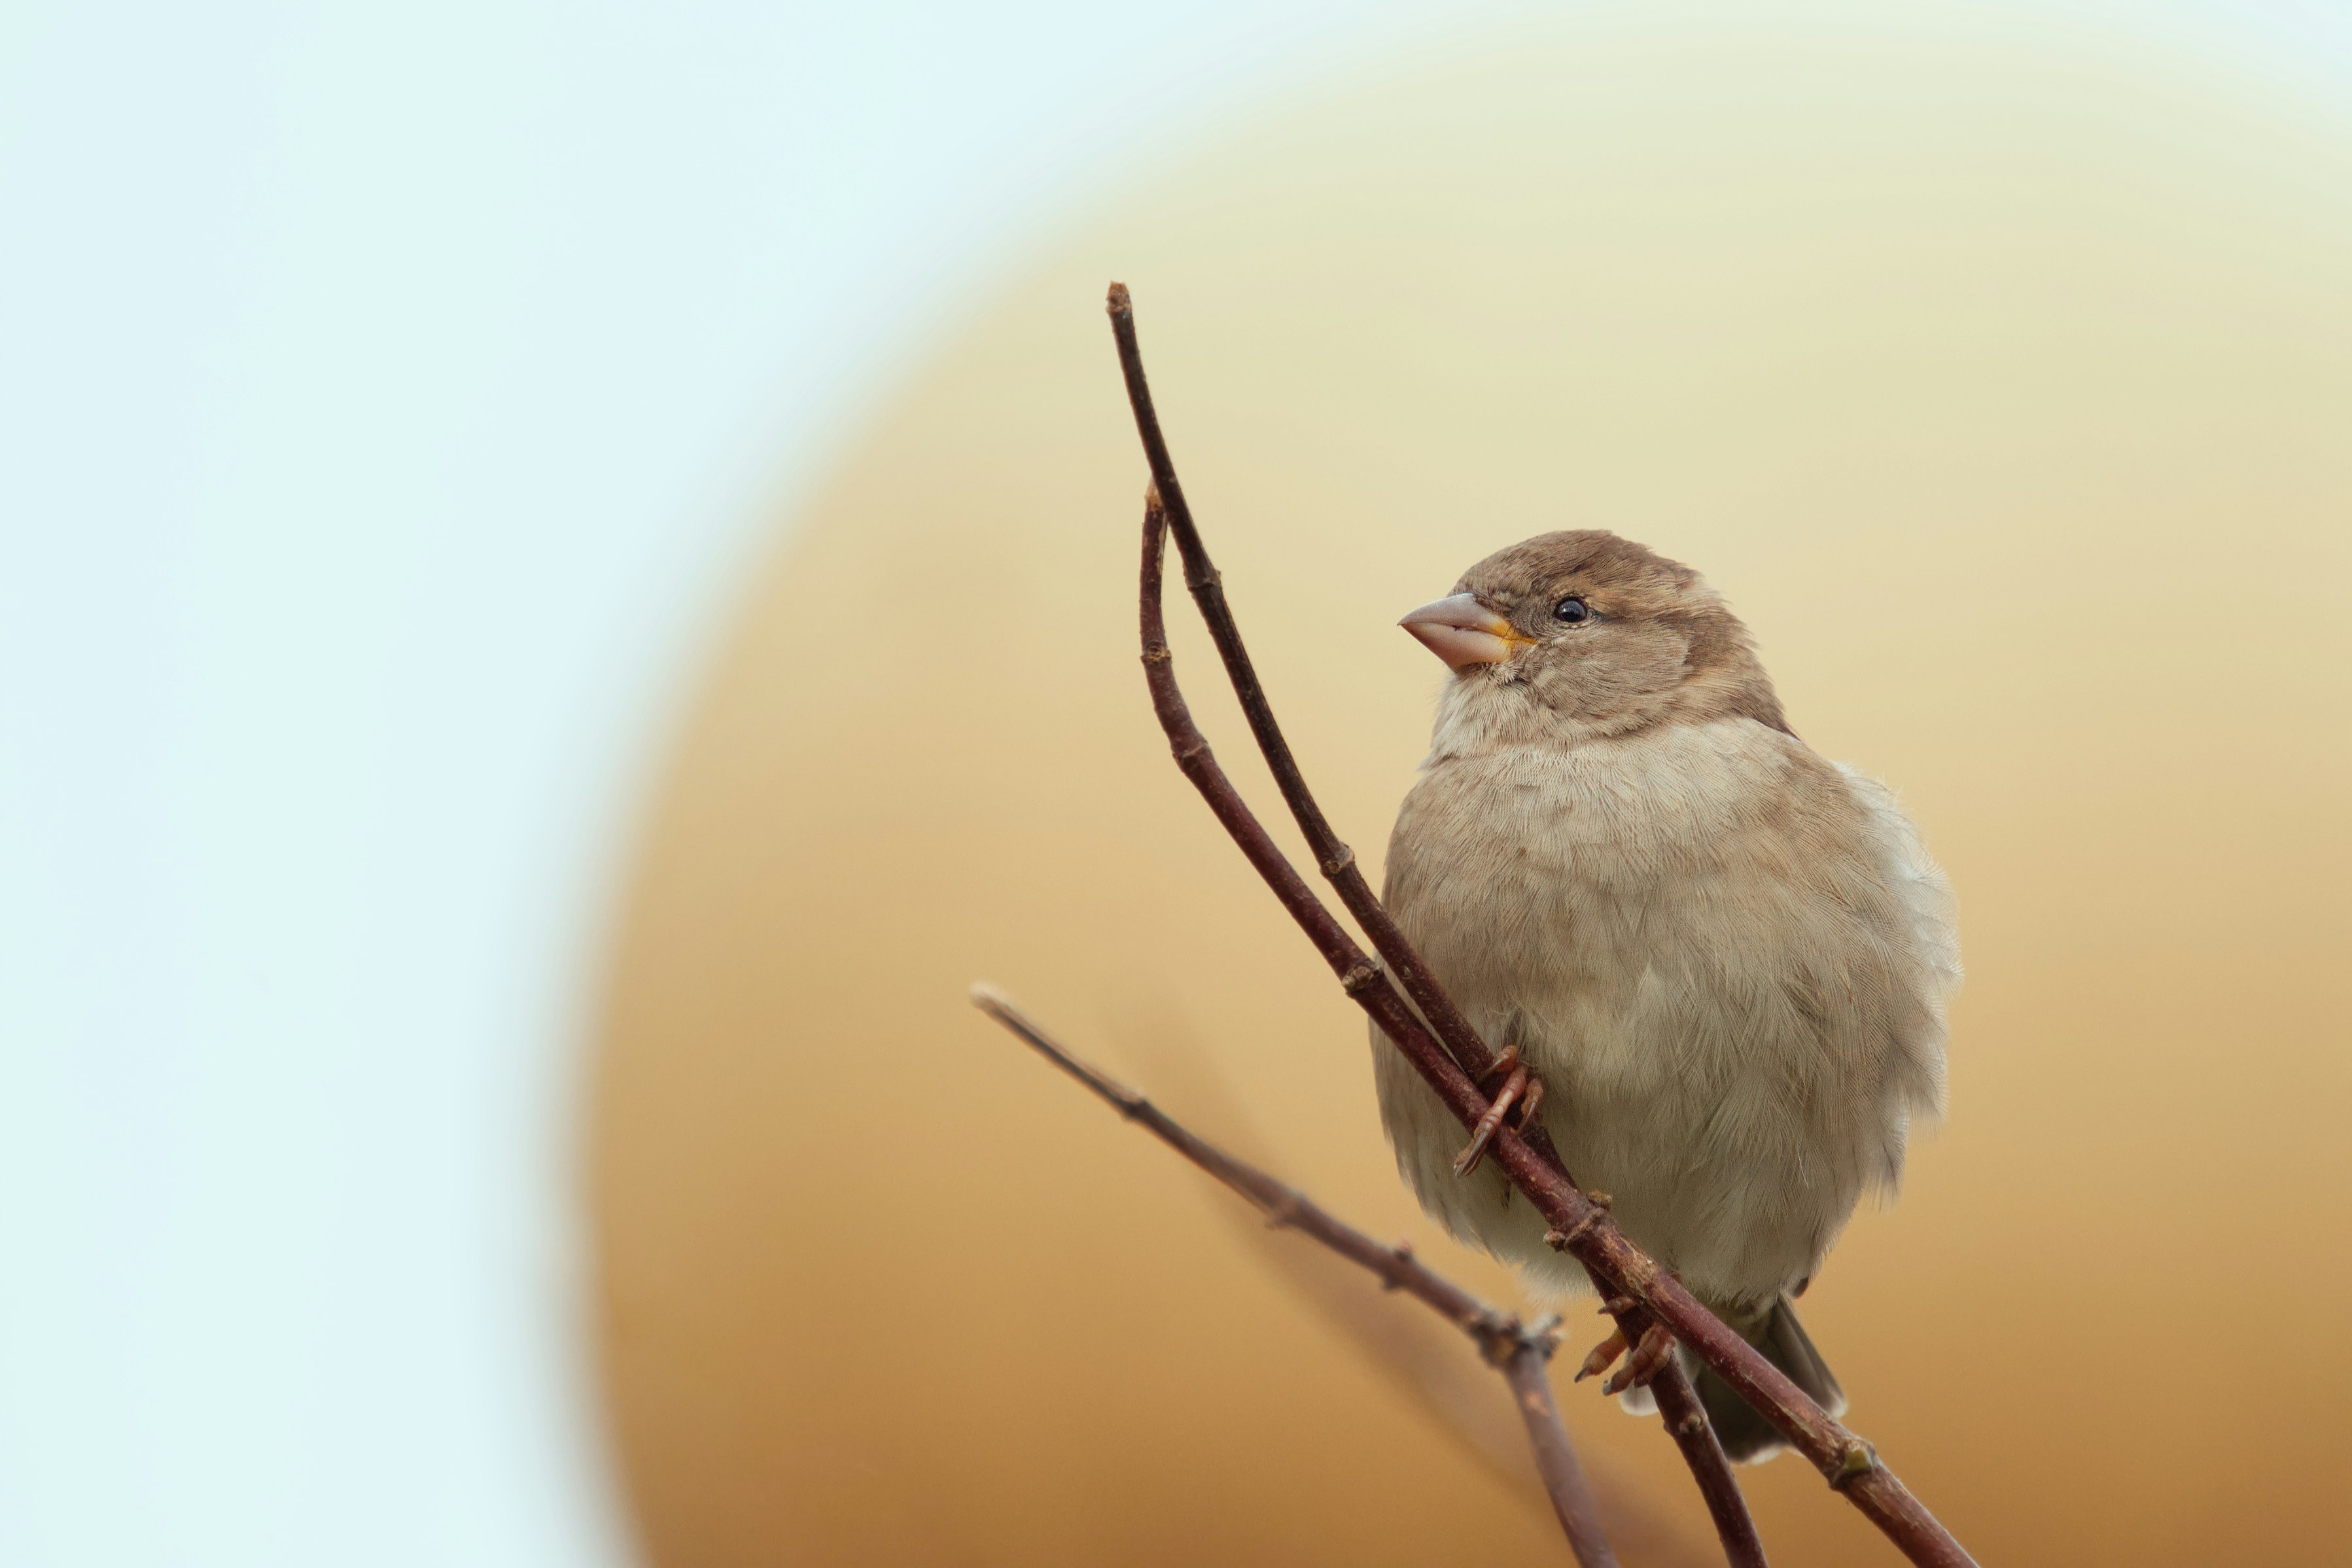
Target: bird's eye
{"type": "Point", "coordinates": [1572, 612]}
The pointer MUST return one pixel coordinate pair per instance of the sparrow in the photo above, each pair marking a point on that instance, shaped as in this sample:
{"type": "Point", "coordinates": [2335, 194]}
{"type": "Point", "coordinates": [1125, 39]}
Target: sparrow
{"type": "Point", "coordinates": [1726, 959]}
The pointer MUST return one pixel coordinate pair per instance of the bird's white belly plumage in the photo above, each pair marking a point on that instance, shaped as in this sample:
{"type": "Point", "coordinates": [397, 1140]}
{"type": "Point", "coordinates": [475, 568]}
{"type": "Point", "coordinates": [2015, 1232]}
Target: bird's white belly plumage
{"type": "Point", "coordinates": [1727, 959]}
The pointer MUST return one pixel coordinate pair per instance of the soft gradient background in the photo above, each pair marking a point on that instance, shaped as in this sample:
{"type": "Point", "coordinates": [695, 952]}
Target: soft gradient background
{"type": "Point", "coordinates": [2002, 377]}
{"type": "Point", "coordinates": [459, 910]}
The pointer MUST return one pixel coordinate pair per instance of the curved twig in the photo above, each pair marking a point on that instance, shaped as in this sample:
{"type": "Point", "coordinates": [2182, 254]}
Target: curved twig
{"type": "Point", "coordinates": [1578, 1227]}
{"type": "Point", "coordinates": [1726, 1506]}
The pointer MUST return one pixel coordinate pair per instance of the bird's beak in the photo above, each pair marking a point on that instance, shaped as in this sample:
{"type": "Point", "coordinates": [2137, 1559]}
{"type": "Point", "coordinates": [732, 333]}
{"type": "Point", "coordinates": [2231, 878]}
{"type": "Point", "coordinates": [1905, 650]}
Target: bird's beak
{"type": "Point", "coordinates": [1463, 632]}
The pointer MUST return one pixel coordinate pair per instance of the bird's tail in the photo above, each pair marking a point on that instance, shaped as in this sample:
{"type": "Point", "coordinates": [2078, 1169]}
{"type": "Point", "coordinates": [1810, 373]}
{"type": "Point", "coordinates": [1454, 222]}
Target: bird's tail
{"type": "Point", "coordinates": [1746, 1436]}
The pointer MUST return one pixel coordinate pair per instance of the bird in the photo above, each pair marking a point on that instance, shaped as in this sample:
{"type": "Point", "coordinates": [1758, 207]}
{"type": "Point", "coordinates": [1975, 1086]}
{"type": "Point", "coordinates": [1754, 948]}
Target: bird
{"type": "Point", "coordinates": [1725, 959]}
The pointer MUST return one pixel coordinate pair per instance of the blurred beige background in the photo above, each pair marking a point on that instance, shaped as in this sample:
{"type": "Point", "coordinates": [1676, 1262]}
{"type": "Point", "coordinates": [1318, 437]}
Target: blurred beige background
{"type": "Point", "coordinates": [2002, 379]}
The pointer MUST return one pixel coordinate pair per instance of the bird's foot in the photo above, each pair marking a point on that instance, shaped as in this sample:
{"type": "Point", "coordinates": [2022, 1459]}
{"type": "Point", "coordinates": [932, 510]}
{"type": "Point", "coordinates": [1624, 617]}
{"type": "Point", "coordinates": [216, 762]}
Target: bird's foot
{"type": "Point", "coordinates": [1648, 1358]}
{"type": "Point", "coordinates": [1520, 1087]}
{"type": "Point", "coordinates": [1602, 1355]}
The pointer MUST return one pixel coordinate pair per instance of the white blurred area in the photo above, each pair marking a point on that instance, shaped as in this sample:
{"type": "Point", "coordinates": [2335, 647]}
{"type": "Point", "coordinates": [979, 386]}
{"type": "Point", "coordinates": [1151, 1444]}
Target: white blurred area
{"type": "Point", "coordinates": [392, 399]}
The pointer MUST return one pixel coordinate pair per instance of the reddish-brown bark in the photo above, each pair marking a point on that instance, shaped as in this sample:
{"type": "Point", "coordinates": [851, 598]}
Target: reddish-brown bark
{"type": "Point", "coordinates": [1579, 1226]}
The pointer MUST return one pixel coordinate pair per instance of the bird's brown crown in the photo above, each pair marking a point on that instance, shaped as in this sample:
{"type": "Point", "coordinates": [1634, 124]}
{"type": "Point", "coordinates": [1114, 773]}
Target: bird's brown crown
{"type": "Point", "coordinates": [1652, 642]}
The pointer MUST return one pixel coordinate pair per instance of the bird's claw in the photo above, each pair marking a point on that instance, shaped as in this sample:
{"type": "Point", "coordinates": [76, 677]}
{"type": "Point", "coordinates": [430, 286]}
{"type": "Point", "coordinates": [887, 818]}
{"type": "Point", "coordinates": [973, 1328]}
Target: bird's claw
{"type": "Point", "coordinates": [1505, 1060]}
{"type": "Point", "coordinates": [1520, 1087]}
{"type": "Point", "coordinates": [1597, 1361]}
{"type": "Point", "coordinates": [1649, 1358]}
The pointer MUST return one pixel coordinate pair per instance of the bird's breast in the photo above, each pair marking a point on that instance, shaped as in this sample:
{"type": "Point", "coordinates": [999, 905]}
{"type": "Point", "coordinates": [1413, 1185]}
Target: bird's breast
{"type": "Point", "coordinates": [1726, 958]}
{"type": "Point", "coordinates": [1596, 899]}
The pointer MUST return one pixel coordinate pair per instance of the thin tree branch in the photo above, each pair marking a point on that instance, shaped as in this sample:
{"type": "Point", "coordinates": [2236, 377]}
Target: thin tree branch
{"type": "Point", "coordinates": [1338, 862]}
{"type": "Point", "coordinates": [1528, 1369]}
{"type": "Point", "coordinates": [1361, 978]}
{"type": "Point", "coordinates": [1333, 857]}
{"type": "Point", "coordinates": [1520, 1353]}
{"type": "Point", "coordinates": [1579, 1226]}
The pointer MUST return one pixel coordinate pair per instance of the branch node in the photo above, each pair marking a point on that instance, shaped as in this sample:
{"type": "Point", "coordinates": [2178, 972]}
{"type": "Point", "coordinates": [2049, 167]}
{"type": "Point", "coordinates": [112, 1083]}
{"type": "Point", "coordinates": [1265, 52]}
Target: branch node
{"type": "Point", "coordinates": [1402, 1253]}
{"type": "Point", "coordinates": [1156, 653]}
{"type": "Point", "coordinates": [1361, 977]}
{"type": "Point", "coordinates": [1338, 862]}
{"type": "Point", "coordinates": [1859, 1460]}
{"type": "Point", "coordinates": [1565, 1240]}
{"type": "Point", "coordinates": [1501, 1336]}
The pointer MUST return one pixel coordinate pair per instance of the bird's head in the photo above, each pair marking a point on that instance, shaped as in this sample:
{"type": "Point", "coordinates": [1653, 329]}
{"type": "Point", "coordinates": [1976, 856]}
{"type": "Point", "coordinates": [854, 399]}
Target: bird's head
{"type": "Point", "coordinates": [1581, 635]}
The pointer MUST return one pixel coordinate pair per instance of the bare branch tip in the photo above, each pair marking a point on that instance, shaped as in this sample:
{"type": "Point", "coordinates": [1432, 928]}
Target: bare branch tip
{"type": "Point", "coordinates": [1117, 302]}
